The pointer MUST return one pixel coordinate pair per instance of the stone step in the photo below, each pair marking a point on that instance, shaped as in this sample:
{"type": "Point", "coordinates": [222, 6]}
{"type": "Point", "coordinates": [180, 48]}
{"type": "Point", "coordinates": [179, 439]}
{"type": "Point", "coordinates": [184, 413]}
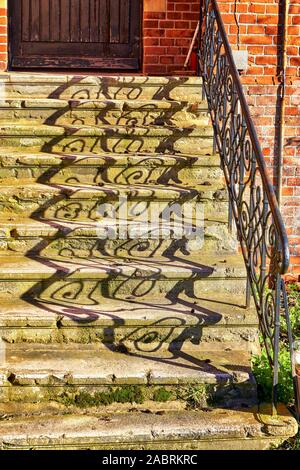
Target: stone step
{"type": "Point", "coordinates": [99, 239]}
{"type": "Point", "coordinates": [113, 139]}
{"type": "Point", "coordinates": [94, 169]}
{"type": "Point", "coordinates": [146, 427]}
{"type": "Point", "coordinates": [87, 282]}
{"type": "Point", "coordinates": [77, 202]}
{"type": "Point", "coordinates": [95, 87]}
{"type": "Point", "coordinates": [103, 112]}
{"type": "Point", "coordinates": [37, 372]}
{"type": "Point", "coordinates": [218, 322]}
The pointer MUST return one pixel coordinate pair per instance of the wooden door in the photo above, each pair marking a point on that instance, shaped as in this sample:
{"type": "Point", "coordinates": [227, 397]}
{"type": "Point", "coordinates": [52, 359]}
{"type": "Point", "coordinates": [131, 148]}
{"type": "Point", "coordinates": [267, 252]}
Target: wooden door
{"type": "Point", "coordinates": [104, 34]}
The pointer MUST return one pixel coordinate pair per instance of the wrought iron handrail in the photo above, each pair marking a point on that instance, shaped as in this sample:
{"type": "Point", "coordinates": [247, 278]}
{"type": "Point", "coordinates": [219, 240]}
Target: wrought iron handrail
{"type": "Point", "coordinates": [253, 204]}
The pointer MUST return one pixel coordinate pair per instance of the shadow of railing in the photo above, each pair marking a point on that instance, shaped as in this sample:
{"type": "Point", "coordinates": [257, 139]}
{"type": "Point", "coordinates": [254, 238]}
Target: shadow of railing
{"type": "Point", "coordinates": [84, 300]}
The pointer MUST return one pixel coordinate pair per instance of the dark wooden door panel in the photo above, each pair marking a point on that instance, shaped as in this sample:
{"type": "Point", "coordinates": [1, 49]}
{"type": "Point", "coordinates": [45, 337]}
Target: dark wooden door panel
{"type": "Point", "coordinates": [75, 33]}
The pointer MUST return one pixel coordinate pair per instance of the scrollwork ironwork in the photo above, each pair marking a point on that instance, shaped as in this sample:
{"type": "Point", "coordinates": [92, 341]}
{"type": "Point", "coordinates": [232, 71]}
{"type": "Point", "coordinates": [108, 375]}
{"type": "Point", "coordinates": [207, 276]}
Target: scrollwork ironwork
{"type": "Point", "coordinates": [253, 206]}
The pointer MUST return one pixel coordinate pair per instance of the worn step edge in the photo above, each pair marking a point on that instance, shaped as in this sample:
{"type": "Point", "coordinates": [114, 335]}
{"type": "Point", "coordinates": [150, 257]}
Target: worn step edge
{"type": "Point", "coordinates": [47, 228]}
{"type": "Point", "coordinates": [210, 311]}
{"type": "Point", "coordinates": [174, 430]}
{"type": "Point", "coordinates": [23, 104]}
{"type": "Point", "coordinates": [29, 190]}
{"type": "Point", "coordinates": [9, 130]}
{"type": "Point", "coordinates": [96, 79]}
{"type": "Point", "coordinates": [10, 158]}
{"type": "Point", "coordinates": [21, 268]}
{"type": "Point", "coordinates": [38, 364]}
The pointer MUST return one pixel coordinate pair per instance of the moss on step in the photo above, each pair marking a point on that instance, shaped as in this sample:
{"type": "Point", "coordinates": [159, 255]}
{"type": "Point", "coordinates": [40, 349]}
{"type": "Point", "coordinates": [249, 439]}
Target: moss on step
{"type": "Point", "coordinates": [134, 394]}
{"type": "Point", "coordinates": [162, 395]}
{"type": "Point", "coordinates": [197, 396]}
{"type": "Point", "coordinates": [127, 394]}
{"type": "Point", "coordinates": [194, 396]}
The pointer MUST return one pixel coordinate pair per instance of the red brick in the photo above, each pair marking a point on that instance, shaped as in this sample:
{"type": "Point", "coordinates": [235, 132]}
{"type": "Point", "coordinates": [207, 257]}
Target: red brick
{"type": "Point", "coordinates": [247, 19]}
{"type": "Point", "coordinates": [182, 42]}
{"type": "Point", "coordinates": [154, 33]}
{"type": "Point", "coordinates": [255, 49]}
{"type": "Point", "coordinates": [295, 61]}
{"type": "Point", "coordinates": [174, 15]}
{"type": "Point", "coordinates": [254, 8]}
{"type": "Point", "coordinates": [173, 50]}
{"type": "Point", "coordinates": [182, 24]}
{"type": "Point", "coordinates": [240, 8]}
{"type": "Point", "coordinates": [151, 24]}
{"type": "Point", "coordinates": [228, 18]}
{"type": "Point", "coordinates": [151, 42]}
{"type": "Point", "coordinates": [256, 40]}
{"type": "Point", "coordinates": [294, 9]}
{"type": "Point", "coordinates": [190, 16]}
{"type": "Point", "coordinates": [267, 19]}
{"type": "Point", "coordinates": [167, 59]}
{"type": "Point", "coordinates": [272, 30]}
{"type": "Point", "coordinates": [166, 42]}
{"type": "Point", "coordinates": [168, 24]}
{"type": "Point", "coordinates": [255, 70]}
{"type": "Point", "coordinates": [155, 50]}
{"type": "Point", "coordinates": [176, 33]}
{"type": "Point", "coordinates": [292, 50]}
{"type": "Point", "coordinates": [151, 59]}
{"type": "Point", "coordinates": [170, 6]}
{"type": "Point", "coordinates": [293, 30]}
{"type": "Point", "coordinates": [182, 7]}
{"type": "Point", "coordinates": [272, 9]}
{"type": "Point", "coordinates": [266, 60]}
{"type": "Point", "coordinates": [270, 50]}
{"type": "Point", "coordinates": [256, 29]}
{"type": "Point", "coordinates": [155, 69]}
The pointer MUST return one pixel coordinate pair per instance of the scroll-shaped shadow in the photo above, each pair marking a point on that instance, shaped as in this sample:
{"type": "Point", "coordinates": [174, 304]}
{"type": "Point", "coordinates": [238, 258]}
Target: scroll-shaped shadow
{"type": "Point", "coordinates": [75, 290]}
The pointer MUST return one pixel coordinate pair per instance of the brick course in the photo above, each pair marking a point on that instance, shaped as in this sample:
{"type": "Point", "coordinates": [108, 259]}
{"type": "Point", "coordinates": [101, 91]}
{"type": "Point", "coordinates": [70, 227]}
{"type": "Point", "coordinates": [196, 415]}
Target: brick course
{"type": "Point", "coordinates": [3, 35]}
{"type": "Point", "coordinates": [176, 25]}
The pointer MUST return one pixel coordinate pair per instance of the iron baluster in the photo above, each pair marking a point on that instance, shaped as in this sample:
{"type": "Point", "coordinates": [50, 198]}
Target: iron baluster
{"type": "Point", "coordinates": [252, 200]}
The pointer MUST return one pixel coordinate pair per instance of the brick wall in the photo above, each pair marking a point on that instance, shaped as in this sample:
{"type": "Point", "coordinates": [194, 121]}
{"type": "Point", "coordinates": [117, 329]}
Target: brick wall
{"type": "Point", "coordinates": [169, 26]}
{"type": "Point", "coordinates": [3, 34]}
{"type": "Point", "coordinates": [255, 26]}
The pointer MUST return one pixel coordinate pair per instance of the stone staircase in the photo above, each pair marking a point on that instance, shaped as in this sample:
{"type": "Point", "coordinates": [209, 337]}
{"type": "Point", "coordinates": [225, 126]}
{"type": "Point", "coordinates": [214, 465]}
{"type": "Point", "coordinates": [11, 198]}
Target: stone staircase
{"type": "Point", "coordinates": [128, 341]}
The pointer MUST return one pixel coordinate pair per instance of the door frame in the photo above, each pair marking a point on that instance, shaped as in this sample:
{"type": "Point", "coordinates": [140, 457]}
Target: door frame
{"type": "Point", "coordinates": [10, 48]}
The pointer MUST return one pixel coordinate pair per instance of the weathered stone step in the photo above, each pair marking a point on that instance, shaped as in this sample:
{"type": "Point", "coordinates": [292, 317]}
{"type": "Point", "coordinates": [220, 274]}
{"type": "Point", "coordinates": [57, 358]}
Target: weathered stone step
{"type": "Point", "coordinates": [109, 168]}
{"type": "Point", "coordinates": [110, 238]}
{"type": "Point", "coordinates": [100, 87]}
{"type": "Point", "coordinates": [114, 139]}
{"type": "Point", "coordinates": [214, 321]}
{"type": "Point", "coordinates": [104, 112]}
{"type": "Point", "coordinates": [49, 427]}
{"type": "Point", "coordinates": [83, 202]}
{"type": "Point", "coordinates": [86, 282]}
{"type": "Point", "coordinates": [36, 372]}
